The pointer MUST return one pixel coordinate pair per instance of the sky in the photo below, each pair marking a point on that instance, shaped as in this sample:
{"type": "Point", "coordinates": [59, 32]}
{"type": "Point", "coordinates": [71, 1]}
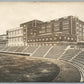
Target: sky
{"type": "Point", "coordinates": [12, 14]}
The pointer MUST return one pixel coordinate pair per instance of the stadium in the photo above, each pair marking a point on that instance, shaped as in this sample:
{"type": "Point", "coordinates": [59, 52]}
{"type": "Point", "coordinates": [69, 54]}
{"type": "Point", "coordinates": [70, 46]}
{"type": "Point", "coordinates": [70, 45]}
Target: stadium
{"type": "Point", "coordinates": [54, 50]}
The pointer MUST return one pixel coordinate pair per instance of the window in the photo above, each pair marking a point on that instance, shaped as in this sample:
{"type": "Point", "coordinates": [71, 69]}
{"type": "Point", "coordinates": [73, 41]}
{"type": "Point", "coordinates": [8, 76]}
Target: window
{"type": "Point", "coordinates": [49, 26]}
{"type": "Point", "coordinates": [60, 38]}
{"type": "Point", "coordinates": [24, 37]}
{"type": "Point", "coordinates": [24, 32]}
{"type": "Point", "coordinates": [65, 22]}
{"type": "Point", "coordinates": [77, 23]}
{"type": "Point", "coordinates": [65, 27]}
{"type": "Point", "coordinates": [31, 33]}
{"type": "Point", "coordinates": [36, 39]}
{"type": "Point", "coordinates": [64, 37]}
{"type": "Point", "coordinates": [56, 24]}
{"type": "Point", "coordinates": [71, 38]}
{"type": "Point", "coordinates": [80, 29]}
{"type": "Point", "coordinates": [43, 27]}
{"type": "Point", "coordinates": [19, 31]}
{"type": "Point", "coordinates": [34, 33]}
{"type": "Point", "coordinates": [80, 25]}
{"type": "Point", "coordinates": [19, 38]}
{"type": "Point", "coordinates": [68, 38]}
{"type": "Point", "coordinates": [43, 39]}
{"type": "Point", "coordinates": [50, 38]}
{"type": "Point", "coordinates": [77, 27]}
{"type": "Point", "coordinates": [11, 40]}
{"type": "Point", "coordinates": [56, 29]}
{"type": "Point", "coordinates": [55, 38]}
{"type": "Point", "coordinates": [9, 34]}
{"type": "Point", "coordinates": [16, 32]}
{"type": "Point", "coordinates": [33, 40]}
{"type": "Point", "coordinates": [46, 39]}
{"type": "Point", "coordinates": [42, 31]}
{"type": "Point", "coordinates": [80, 34]}
{"type": "Point", "coordinates": [24, 25]}
{"type": "Point", "coordinates": [83, 34]}
{"type": "Point", "coordinates": [39, 39]}
{"type": "Point", "coordinates": [48, 30]}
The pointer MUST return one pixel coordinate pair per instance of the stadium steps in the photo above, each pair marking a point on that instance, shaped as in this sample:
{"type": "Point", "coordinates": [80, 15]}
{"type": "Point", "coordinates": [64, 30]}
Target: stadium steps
{"type": "Point", "coordinates": [12, 49]}
{"type": "Point", "coordinates": [41, 51]}
{"type": "Point", "coordinates": [56, 51]}
{"type": "Point", "coordinates": [2, 47]}
{"type": "Point", "coordinates": [20, 48]}
{"type": "Point", "coordinates": [79, 63]}
{"type": "Point", "coordinates": [30, 49]}
{"type": "Point", "coordinates": [69, 54]}
{"type": "Point", "coordinates": [6, 48]}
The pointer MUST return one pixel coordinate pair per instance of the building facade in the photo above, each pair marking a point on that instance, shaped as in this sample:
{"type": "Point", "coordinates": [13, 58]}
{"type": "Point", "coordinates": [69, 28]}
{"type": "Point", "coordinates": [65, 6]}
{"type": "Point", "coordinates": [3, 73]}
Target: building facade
{"type": "Point", "coordinates": [3, 40]}
{"type": "Point", "coordinates": [30, 30]}
{"type": "Point", "coordinates": [15, 37]}
{"type": "Point", "coordinates": [63, 29]}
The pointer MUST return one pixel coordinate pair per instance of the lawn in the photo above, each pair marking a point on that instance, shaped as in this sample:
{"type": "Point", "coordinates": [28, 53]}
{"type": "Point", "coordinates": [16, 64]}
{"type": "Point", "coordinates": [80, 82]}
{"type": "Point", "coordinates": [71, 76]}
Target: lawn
{"type": "Point", "coordinates": [14, 68]}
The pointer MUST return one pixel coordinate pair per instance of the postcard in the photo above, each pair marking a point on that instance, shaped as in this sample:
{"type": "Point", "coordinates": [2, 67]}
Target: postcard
{"type": "Point", "coordinates": [42, 42]}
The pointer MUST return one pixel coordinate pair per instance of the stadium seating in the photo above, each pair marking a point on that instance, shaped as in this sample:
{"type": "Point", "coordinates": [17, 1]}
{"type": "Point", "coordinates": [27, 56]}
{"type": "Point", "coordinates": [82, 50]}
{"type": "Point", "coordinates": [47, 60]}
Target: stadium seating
{"type": "Point", "coordinates": [30, 49]}
{"type": "Point", "coordinates": [12, 49]}
{"type": "Point", "coordinates": [6, 48]}
{"type": "Point", "coordinates": [41, 51]}
{"type": "Point", "coordinates": [79, 60]}
{"type": "Point", "coordinates": [56, 51]}
{"type": "Point", "coordinates": [2, 47]}
{"type": "Point", "coordinates": [20, 49]}
{"type": "Point", "coordinates": [61, 52]}
{"type": "Point", "coordinates": [69, 54]}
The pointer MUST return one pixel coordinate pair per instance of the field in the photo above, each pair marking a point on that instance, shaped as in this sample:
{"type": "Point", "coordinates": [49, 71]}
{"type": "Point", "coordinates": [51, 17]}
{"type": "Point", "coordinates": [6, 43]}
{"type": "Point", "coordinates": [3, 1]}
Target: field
{"type": "Point", "coordinates": [17, 68]}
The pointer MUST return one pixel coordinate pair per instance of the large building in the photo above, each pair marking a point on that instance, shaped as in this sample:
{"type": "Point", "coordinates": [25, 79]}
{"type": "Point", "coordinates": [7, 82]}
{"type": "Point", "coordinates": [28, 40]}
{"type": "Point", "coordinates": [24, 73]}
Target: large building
{"type": "Point", "coordinates": [66, 29]}
{"type": "Point", "coordinates": [15, 37]}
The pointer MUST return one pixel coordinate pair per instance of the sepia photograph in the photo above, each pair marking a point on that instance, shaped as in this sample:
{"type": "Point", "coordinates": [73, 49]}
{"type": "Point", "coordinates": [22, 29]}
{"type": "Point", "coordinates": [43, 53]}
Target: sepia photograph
{"type": "Point", "coordinates": [42, 42]}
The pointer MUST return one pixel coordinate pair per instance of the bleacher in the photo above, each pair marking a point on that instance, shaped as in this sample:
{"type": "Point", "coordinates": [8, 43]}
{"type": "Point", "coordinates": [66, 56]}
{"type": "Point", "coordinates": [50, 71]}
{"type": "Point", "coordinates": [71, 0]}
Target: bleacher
{"type": "Point", "coordinates": [51, 51]}
{"type": "Point", "coordinates": [41, 51]}
{"type": "Point", "coordinates": [56, 51]}
{"type": "Point", "coordinates": [69, 54]}
{"type": "Point", "coordinates": [30, 49]}
{"type": "Point", "coordinates": [20, 49]}
{"type": "Point", "coordinates": [5, 48]}
{"type": "Point", "coordinates": [12, 49]}
{"type": "Point", "coordinates": [2, 47]}
{"type": "Point", "coordinates": [79, 60]}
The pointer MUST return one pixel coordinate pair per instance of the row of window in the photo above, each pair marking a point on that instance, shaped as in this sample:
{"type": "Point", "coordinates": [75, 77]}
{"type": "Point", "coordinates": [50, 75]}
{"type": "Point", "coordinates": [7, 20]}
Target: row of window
{"type": "Point", "coordinates": [15, 39]}
{"type": "Point", "coordinates": [51, 39]}
{"type": "Point", "coordinates": [66, 22]}
{"type": "Point", "coordinates": [79, 25]}
{"type": "Point", "coordinates": [81, 38]}
{"type": "Point", "coordinates": [15, 32]}
{"type": "Point", "coordinates": [56, 29]}
{"type": "Point", "coordinates": [15, 44]}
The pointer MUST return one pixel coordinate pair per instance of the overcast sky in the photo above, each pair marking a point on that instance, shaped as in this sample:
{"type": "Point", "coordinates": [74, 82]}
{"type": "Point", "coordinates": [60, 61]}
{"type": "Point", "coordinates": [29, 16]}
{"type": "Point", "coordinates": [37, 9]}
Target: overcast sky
{"type": "Point", "coordinates": [14, 13]}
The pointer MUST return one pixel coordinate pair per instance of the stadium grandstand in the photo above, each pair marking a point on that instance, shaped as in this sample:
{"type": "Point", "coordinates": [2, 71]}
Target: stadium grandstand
{"type": "Point", "coordinates": [60, 39]}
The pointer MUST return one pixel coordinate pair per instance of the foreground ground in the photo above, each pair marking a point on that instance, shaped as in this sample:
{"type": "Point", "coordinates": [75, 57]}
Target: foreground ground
{"type": "Point", "coordinates": [15, 68]}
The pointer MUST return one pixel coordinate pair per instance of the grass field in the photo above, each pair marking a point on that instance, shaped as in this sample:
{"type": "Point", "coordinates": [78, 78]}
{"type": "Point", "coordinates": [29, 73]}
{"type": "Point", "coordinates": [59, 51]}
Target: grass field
{"type": "Point", "coordinates": [15, 68]}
